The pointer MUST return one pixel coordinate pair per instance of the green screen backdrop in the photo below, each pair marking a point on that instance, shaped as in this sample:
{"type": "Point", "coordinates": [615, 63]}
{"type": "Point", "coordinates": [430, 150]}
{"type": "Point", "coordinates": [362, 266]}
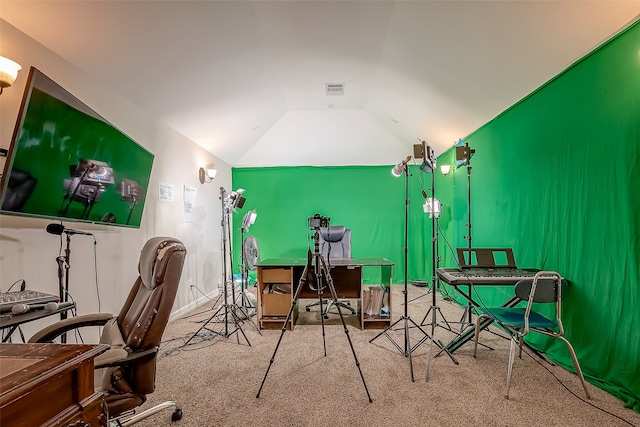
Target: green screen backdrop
{"type": "Point", "coordinates": [367, 199]}
{"type": "Point", "coordinates": [557, 178]}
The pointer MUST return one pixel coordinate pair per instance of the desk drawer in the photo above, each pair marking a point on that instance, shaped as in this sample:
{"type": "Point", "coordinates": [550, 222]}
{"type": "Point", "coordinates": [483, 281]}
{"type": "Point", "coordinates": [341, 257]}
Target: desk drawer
{"type": "Point", "coordinates": [276, 275]}
{"type": "Point", "coordinates": [276, 304]}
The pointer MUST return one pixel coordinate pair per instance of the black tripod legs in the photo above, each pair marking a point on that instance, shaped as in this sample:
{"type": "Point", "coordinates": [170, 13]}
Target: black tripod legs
{"type": "Point", "coordinates": [289, 314]}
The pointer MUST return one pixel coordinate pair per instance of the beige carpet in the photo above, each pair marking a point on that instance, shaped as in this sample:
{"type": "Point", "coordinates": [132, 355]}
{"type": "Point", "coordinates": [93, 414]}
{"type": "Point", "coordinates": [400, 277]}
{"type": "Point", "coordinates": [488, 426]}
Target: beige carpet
{"type": "Point", "coordinates": [216, 379]}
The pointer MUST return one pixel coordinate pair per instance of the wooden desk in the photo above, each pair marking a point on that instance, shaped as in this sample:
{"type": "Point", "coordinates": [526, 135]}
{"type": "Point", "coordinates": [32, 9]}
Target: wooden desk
{"type": "Point", "coordinates": [49, 385]}
{"type": "Point", "coordinates": [285, 274]}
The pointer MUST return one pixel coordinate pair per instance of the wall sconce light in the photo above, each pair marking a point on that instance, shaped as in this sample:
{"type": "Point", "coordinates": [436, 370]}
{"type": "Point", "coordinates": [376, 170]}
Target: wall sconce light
{"type": "Point", "coordinates": [8, 72]}
{"type": "Point", "coordinates": [445, 169]}
{"type": "Point", "coordinates": [207, 173]}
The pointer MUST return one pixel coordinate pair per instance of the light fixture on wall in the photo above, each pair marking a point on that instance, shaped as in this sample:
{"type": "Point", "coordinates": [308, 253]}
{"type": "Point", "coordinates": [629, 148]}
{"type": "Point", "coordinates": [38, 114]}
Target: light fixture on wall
{"type": "Point", "coordinates": [445, 169]}
{"type": "Point", "coordinates": [8, 72]}
{"type": "Point", "coordinates": [207, 173]}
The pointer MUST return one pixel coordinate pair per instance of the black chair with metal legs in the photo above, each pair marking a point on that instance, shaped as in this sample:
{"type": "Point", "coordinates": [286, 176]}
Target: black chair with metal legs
{"type": "Point", "coordinates": [545, 287]}
{"type": "Point", "coordinates": [335, 243]}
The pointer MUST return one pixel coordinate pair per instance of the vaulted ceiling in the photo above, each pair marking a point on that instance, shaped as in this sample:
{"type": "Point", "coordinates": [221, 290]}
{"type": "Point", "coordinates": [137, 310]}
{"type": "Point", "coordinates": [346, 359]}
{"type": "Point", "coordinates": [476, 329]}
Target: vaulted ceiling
{"type": "Point", "coordinates": [247, 79]}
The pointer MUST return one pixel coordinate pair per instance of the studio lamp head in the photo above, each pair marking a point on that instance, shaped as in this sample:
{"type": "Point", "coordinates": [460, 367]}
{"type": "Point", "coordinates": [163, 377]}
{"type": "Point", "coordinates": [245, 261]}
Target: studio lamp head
{"type": "Point", "coordinates": [433, 207]}
{"type": "Point", "coordinates": [400, 167]}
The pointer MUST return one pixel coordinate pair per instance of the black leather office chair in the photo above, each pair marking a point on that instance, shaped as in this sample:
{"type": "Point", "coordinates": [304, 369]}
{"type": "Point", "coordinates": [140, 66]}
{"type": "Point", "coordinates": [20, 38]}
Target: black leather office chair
{"type": "Point", "coordinates": [126, 372]}
{"type": "Point", "coordinates": [335, 243]}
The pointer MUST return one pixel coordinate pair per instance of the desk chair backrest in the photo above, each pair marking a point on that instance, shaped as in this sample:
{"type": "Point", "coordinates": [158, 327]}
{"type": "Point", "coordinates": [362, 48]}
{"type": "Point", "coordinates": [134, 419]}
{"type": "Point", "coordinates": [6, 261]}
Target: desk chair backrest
{"type": "Point", "coordinates": [544, 288]}
{"type": "Point", "coordinates": [144, 316]}
{"type": "Point", "coordinates": [335, 242]}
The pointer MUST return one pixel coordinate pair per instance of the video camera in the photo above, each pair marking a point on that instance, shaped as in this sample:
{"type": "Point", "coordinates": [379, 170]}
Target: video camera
{"type": "Point", "coordinates": [318, 221]}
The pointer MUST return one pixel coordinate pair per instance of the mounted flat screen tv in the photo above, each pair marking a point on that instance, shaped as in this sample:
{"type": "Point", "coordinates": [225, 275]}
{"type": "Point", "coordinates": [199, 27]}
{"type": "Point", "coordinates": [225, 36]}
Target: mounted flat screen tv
{"type": "Point", "coordinates": [66, 162]}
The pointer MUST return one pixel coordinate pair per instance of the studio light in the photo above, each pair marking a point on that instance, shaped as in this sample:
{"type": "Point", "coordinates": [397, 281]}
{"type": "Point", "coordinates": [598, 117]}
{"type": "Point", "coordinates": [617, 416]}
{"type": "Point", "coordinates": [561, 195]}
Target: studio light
{"type": "Point", "coordinates": [400, 167]}
{"type": "Point", "coordinates": [445, 169]}
{"type": "Point", "coordinates": [8, 72]}
{"type": "Point", "coordinates": [433, 207]}
{"type": "Point", "coordinates": [248, 220]}
{"type": "Point", "coordinates": [207, 173]}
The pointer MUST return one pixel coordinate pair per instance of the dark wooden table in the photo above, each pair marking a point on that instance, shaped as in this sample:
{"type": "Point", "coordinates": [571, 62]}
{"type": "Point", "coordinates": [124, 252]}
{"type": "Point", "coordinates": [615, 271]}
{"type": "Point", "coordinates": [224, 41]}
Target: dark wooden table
{"type": "Point", "coordinates": [49, 384]}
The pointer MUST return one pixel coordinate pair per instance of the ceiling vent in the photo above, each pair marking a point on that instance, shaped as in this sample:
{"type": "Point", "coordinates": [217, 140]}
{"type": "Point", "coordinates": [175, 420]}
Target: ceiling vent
{"type": "Point", "coordinates": [335, 88]}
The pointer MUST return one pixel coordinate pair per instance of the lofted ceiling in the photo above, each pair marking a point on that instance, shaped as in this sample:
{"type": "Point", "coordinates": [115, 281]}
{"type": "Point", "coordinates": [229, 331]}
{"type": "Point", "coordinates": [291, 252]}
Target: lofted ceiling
{"type": "Point", "coordinates": [247, 79]}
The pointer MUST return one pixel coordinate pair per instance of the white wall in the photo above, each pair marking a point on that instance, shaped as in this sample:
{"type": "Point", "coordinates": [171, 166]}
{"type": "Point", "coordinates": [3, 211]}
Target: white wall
{"type": "Point", "coordinates": [28, 252]}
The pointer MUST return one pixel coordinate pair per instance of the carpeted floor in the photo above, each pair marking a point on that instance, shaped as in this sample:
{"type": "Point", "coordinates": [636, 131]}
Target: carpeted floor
{"type": "Point", "coordinates": [216, 379]}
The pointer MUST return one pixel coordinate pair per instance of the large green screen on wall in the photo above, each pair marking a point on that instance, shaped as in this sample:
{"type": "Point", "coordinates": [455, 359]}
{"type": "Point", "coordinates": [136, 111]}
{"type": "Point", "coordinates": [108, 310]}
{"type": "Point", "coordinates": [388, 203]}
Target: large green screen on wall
{"type": "Point", "coordinates": [367, 199]}
{"type": "Point", "coordinates": [556, 178]}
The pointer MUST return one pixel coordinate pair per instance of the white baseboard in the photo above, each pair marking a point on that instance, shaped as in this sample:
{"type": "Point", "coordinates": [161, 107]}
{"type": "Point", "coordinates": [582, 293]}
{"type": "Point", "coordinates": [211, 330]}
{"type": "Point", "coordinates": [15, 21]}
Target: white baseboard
{"type": "Point", "coordinates": [198, 303]}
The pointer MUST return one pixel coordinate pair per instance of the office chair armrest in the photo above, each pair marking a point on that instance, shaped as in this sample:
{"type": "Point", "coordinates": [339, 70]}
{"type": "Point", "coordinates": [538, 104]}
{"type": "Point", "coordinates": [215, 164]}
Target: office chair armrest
{"type": "Point", "coordinates": [131, 358]}
{"type": "Point", "coordinates": [55, 330]}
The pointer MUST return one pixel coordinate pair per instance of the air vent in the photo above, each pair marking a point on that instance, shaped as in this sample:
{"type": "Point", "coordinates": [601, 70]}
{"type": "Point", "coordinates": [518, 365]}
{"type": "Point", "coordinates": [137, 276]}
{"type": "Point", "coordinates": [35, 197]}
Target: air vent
{"type": "Point", "coordinates": [335, 88]}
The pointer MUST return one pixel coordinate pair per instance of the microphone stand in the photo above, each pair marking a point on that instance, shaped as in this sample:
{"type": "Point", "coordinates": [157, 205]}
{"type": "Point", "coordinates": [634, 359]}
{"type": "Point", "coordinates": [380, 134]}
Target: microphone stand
{"type": "Point", "coordinates": [63, 280]}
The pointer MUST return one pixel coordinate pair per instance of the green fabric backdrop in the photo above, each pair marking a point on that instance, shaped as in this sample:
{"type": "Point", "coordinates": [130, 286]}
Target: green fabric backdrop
{"type": "Point", "coordinates": [556, 177]}
{"type": "Point", "coordinates": [367, 199]}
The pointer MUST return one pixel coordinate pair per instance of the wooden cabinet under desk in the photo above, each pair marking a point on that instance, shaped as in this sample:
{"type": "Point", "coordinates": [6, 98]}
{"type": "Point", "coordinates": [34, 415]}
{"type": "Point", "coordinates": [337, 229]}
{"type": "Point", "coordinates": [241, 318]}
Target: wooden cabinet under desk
{"type": "Point", "coordinates": [278, 280]}
{"type": "Point", "coordinates": [49, 385]}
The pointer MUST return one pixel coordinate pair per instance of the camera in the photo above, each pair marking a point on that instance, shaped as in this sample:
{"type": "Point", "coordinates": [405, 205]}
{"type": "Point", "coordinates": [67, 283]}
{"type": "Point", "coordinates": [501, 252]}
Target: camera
{"type": "Point", "coordinates": [318, 221]}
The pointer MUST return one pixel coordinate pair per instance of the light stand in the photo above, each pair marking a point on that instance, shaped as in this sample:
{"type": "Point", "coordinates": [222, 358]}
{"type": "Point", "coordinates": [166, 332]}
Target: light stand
{"type": "Point", "coordinates": [464, 154]}
{"type": "Point", "coordinates": [245, 304]}
{"type": "Point", "coordinates": [434, 309]}
{"type": "Point", "coordinates": [405, 319]}
{"type": "Point", "coordinates": [228, 309]}
{"type": "Point", "coordinates": [434, 208]}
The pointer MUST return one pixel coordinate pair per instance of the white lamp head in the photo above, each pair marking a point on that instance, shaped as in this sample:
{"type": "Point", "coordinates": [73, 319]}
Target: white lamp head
{"type": "Point", "coordinates": [8, 72]}
{"type": "Point", "coordinates": [433, 207]}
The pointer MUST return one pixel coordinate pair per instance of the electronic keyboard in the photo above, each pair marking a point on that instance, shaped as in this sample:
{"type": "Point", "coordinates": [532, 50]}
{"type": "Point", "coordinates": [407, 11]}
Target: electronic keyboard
{"type": "Point", "coordinates": [485, 276]}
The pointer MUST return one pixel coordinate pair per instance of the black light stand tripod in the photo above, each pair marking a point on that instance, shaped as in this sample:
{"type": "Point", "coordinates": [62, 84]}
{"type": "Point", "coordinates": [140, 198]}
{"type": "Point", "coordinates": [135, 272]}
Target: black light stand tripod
{"type": "Point", "coordinates": [435, 287]}
{"type": "Point", "coordinates": [434, 309]}
{"type": "Point", "coordinates": [245, 304]}
{"type": "Point", "coordinates": [405, 319]}
{"type": "Point", "coordinates": [317, 264]}
{"type": "Point", "coordinates": [464, 154]}
{"type": "Point", "coordinates": [228, 309]}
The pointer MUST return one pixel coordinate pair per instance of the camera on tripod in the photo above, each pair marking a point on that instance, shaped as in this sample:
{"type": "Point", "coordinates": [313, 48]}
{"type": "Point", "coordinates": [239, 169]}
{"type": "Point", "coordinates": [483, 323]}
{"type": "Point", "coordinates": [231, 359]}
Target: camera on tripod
{"type": "Point", "coordinates": [318, 221]}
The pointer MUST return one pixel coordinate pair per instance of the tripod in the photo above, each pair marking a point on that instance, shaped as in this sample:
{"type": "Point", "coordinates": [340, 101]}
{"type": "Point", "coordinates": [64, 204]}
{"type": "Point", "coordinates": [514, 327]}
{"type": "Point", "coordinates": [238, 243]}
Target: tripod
{"type": "Point", "coordinates": [434, 280]}
{"type": "Point", "coordinates": [464, 153]}
{"type": "Point", "coordinates": [317, 263]}
{"type": "Point", "coordinates": [405, 319]}
{"type": "Point", "coordinates": [434, 309]}
{"type": "Point", "coordinates": [228, 309]}
{"type": "Point", "coordinates": [245, 304]}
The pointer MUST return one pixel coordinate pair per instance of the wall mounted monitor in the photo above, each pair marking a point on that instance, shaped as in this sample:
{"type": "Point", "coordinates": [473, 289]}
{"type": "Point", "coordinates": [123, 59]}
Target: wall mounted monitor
{"type": "Point", "coordinates": [66, 162]}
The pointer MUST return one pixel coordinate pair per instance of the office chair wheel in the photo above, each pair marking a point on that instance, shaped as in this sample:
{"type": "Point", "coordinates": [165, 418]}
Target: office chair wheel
{"type": "Point", "coordinates": [308, 308]}
{"type": "Point", "coordinates": [177, 415]}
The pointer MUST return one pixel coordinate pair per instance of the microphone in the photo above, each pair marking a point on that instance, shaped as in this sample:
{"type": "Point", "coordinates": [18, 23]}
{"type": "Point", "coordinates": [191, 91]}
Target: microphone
{"type": "Point", "coordinates": [50, 306]}
{"type": "Point", "coordinates": [58, 229]}
{"type": "Point", "coordinates": [400, 167]}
